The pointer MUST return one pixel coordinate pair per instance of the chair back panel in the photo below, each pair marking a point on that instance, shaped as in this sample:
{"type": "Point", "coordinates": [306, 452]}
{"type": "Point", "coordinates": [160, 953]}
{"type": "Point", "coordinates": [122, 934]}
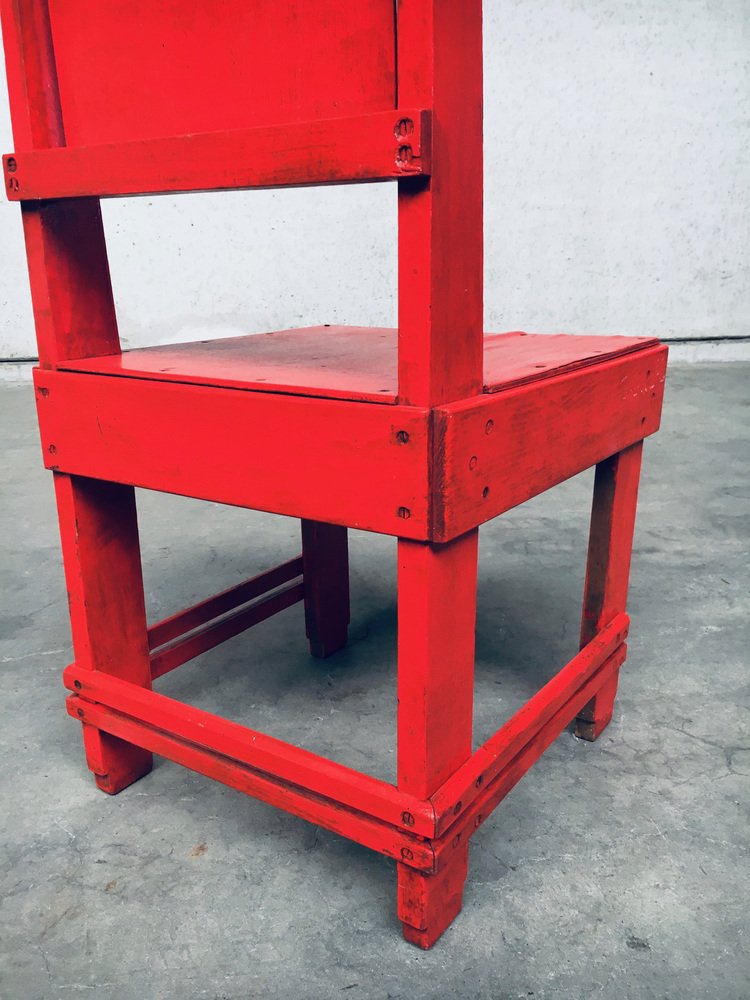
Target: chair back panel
{"type": "Point", "coordinates": [135, 69]}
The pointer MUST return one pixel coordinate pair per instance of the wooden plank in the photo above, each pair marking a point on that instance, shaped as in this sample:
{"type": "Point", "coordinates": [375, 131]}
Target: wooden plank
{"type": "Point", "coordinates": [143, 70]}
{"type": "Point", "coordinates": [440, 235]}
{"type": "Point", "coordinates": [345, 362]}
{"type": "Point", "coordinates": [436, 623]}
{"type": "Point", "coordinates": [336, 150]}
{"type": "Point", "coordinates": [500, 450]}
{"type": "Point", "coordinates": [454, 840]}
{"type": "Point", "coordinates": [457, 793]}
{"type": "Point", "coordinates": [206, 637]}
{"type": "Point", "coordinates": [328, 813]}
{"type": "Point", "coordinates": [512, 359]}
{"type": "Point", "coordinates": [608, 567]}
{"type": "Point", "coordinates": [102, 559]}
{"type": "Point", "coordinates": [308, 458]}
{"type": "Point", "coordinates": [32, 80]}
{"type": "Point", "coordinates": [255, 750]}
{"type": "Point", "coordinates": [325, 553]}
{"type": "Point", "coordinates": [71, 292]}
{"type": "Point", "coordinates": [205, 611]}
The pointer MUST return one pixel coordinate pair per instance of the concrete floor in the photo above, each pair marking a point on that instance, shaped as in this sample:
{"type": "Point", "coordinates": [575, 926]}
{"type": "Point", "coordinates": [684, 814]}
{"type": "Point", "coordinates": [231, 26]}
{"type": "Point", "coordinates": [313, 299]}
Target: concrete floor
{"type": "Point", "coordinates": [613, 870]}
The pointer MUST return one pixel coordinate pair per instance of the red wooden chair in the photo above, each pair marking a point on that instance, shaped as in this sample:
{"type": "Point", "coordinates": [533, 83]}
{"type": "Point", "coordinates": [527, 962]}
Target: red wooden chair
{"type": "Point", "coordinates": [123, 99]}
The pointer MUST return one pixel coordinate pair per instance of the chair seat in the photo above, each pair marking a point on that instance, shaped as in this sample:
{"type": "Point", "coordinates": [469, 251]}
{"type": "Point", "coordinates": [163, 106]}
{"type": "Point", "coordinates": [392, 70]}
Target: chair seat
{"type": "Point", "coordinates": [348, 362]}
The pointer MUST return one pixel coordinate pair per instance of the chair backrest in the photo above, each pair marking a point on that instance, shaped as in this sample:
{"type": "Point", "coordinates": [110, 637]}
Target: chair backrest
{"type": "Point", "coordinates": [143, 69]}
{"type": "Point", "coordinates": [133, 97]}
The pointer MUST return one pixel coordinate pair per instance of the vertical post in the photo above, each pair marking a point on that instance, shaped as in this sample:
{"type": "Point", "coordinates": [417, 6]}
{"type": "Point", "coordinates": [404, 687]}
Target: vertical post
{"type": "Point", "coordinates": [67, 257]}
{"type": "Point", "coordinates": [436, 620]}
{"type": "Point", "coordinates": [99, 533]}
{"type": "Point", "coordinates": [440, 248]}
{"type": "Point", "coordinates": [325, 562]}
{"type": "Point", "coordinates": [74, 315]}
{"type": "Point", "coordinates": [608, 568]}
{"type": "Point", "coordinates": [440, 355]}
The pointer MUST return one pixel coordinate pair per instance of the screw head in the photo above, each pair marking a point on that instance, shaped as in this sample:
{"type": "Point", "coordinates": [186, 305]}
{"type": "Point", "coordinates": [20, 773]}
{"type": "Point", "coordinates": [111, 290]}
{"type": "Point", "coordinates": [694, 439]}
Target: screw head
{"type": "Point", "coordinates": [404, 512]}
{"type": "Point", "coordinates": [407, 819]}
{"type": "Point", "coordinates": [407, 854]}
{"type": "Point", "coordinates": [489, 427]}
{"type": "Point", "coordinates": [404, 127]}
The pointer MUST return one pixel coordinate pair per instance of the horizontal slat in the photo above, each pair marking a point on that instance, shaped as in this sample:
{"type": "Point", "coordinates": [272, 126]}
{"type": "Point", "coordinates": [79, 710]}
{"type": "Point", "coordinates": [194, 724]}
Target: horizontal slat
{"type": "Point", "coordinates": [380, 146]}
{"type": "Point", "coordinates": [186, 648]}
{"type": "Point", "coordinates": [301, 456]}
{"type": "Point", "coordinates": [500, 450]}
{"type": "Point", "coordinates": [205, 611]}
{"type": "Point", "coordinates": [331, 815]}
{"type": "Point", "coordinates": [495, 791]}
{"type": "Point", "coordinates": [465, 785]}
{"type": "Point", "coordinates": [246, 747]}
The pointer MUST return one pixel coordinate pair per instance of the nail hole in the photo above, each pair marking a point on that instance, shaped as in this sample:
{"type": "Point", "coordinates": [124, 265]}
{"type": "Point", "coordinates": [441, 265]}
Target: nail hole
{"type": "Point", "coordinates": [643, 420]}
{"type": "Point", "coordinates": [77, 684]}
{"type": "Point", "coordinates": [52, 450]}
{"type": "Point", "coordinates": [473, 462]}
{"type": "Point", "coordinates": [486, 492]}
{"type": "Point", "coordinates": [489, 427]}
{"type": "Point", "coordinates": [478, 782]}
{"type": "Point", "coordinates": [457, 840]}
{"type": "Point", "coordinates": [43, 391]}
{"type": "Point", "coordinates": [80, 713]}
{"type": "Point", "coordinates": [404, 127]}
{"type": "Point", "coordinates": [457, 809]}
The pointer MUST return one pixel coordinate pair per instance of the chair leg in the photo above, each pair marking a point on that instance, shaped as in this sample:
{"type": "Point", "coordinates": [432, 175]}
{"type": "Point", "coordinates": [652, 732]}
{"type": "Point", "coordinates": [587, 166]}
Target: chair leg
{"type": "Point", "coordinates": [608, 568]}
{"type": "Point", "coordinates": [436, 621]}
{"type": "Point", "coordinates": [101, 553]}
{"type": "Point", "coordinates": [325, 556]}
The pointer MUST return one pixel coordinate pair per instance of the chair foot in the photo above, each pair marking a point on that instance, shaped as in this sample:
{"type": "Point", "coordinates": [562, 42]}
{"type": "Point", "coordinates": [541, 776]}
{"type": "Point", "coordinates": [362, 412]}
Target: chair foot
{"type": "Point", "coordinates": [597, 715]}
{"type": "Point", "coordinates": [114, 763]}
{"type": "Point", "coordinates": [323, 648]}
{"type": "Point", "coordinates": [428, 904]}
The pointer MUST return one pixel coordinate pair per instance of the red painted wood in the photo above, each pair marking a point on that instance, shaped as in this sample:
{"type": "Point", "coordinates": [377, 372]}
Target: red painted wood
{"type": "Point", "coordinates": [350, 789]}
{"type": "Point", "coordinates": [325, 553]}
{"type": "Point", "coordinates": [349, 362]}
{"type": "Point", "coordinates": [436, 618]}
{"type": "Point", "coordinates": [185, 648]}
{"type": "Point", "coordinates": [335, 150]}
{"type": "Point", "coordinates": [202, 66]}
{"type": "Point", "coordinates": [440, 222]}
{"type": "Point", "coordinates": [101, 554]}
{"type": "Point", "coordinates": [453, 842]}
{"type": "Point", "coordinates": [298, 800]}
{"type": "Point", "coordinates": [466, 783]}
{"type": "Point", "coordinates": [243, 448]}
{"type": "Point", "coordinates": [499, 450]}
{"type": "Point", "coordinates": [454, 447]}
{"type": "Point", "coordinates": [71, 293]}
{"type": "Point", "coordinates": [206, 611]}
{"type": "Point", "coordinates": [608, 567]}
{"type": "Point", "coordinates": [32, 80]}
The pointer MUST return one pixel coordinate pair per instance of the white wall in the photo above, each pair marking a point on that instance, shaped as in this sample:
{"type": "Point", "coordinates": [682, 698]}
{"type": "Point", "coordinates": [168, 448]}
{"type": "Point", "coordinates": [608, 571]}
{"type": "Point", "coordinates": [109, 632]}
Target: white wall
{"type": "Point", "coordinates": [617, 153]}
